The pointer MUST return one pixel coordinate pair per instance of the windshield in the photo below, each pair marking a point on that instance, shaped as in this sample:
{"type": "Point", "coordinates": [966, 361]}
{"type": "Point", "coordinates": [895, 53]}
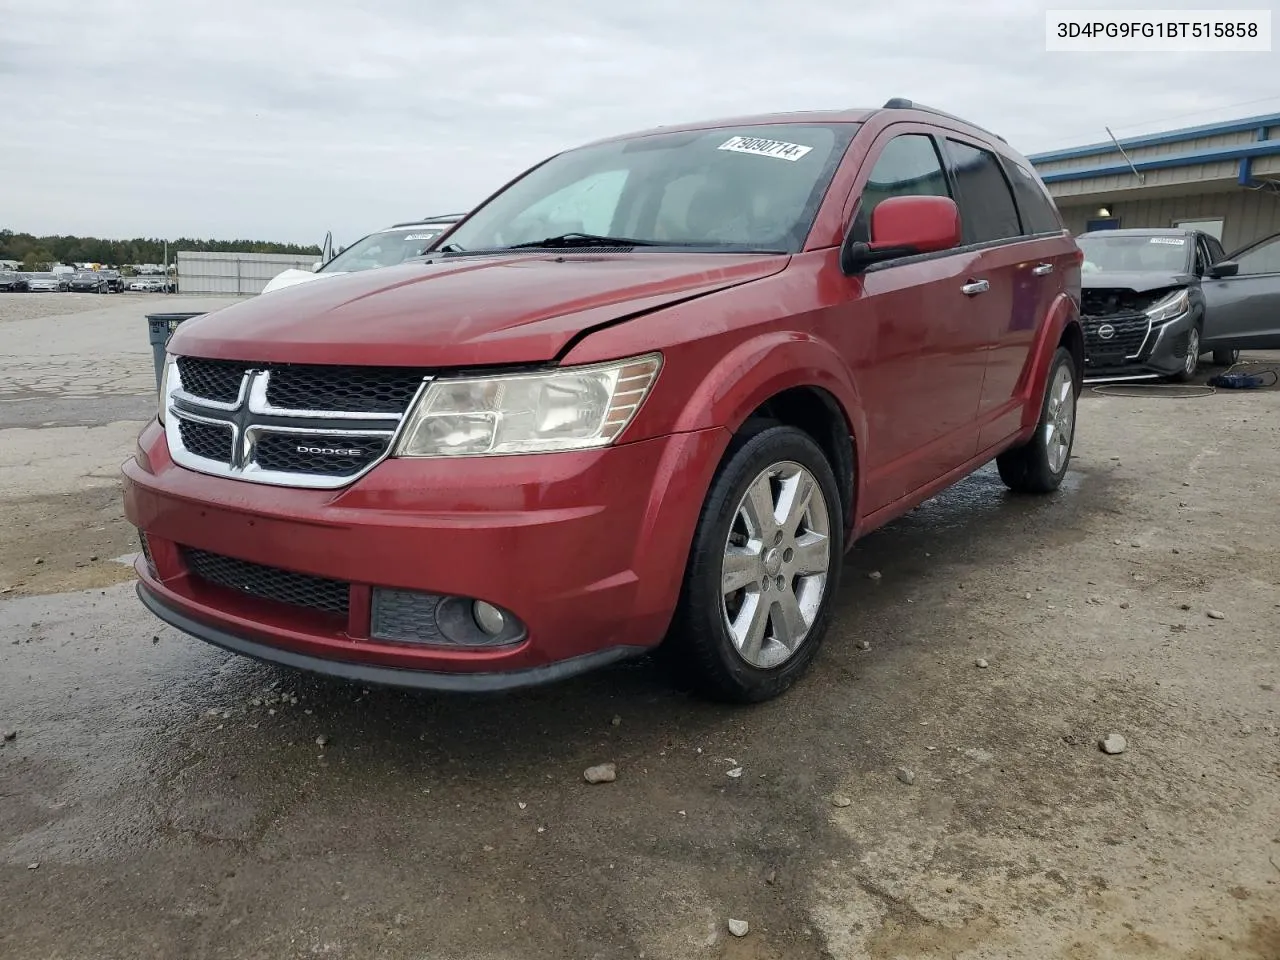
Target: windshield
{"type": "Point", "coordinates": [385, 248]}
{"type": "Point", "coordinates": [1134, 254]}
{"type": "Point", "coordinates": [755, 187]}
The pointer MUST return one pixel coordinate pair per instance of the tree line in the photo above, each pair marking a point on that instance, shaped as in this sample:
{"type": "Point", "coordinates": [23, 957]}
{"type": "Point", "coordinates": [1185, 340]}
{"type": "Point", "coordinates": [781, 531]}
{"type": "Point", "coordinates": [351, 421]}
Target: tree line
{"type": "Point", "coordinates": [35, 253]}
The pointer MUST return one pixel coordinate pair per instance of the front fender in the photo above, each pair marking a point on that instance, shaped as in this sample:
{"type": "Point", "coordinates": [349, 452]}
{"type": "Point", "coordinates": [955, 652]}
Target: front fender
{"type": "Point", "coordinates": [762, 367]}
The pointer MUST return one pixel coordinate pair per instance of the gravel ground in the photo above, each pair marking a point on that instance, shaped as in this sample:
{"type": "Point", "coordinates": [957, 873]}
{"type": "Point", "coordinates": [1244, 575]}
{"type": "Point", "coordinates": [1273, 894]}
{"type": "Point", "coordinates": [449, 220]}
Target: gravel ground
{"type": "Point", "coordinates": [935, 788]}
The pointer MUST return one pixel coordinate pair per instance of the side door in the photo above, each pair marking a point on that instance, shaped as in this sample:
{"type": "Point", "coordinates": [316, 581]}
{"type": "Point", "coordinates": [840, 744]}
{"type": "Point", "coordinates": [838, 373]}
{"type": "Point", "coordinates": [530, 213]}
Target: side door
{"type": "Point", "coordinates": [1049, 269]}
{"type": "Point", "coordinates": [1009, 308]}
{"type": "Point", "coordinates": [914, 341]}
{"type": "Point", "coordinates": [1243, 311]}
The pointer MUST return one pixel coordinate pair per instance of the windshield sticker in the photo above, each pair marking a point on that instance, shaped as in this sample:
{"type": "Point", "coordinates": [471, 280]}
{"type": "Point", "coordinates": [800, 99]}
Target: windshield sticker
{"type": "Point", "coordinates": [422, 236]}
{"type": "Point", "coordinates": [765, 148]}
{"type": "Point", "coordinates": [1172, 241]}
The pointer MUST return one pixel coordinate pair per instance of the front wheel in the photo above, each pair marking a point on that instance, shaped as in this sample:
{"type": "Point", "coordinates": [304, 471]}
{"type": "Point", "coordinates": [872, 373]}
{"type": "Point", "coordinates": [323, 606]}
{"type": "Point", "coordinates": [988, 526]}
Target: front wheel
{"type": "Point", "coordinates": [1192, 359]}
{"type": "Point", "coordinates": [762, 570]}
{"type": "Point", "coordinates": [1039, 465]}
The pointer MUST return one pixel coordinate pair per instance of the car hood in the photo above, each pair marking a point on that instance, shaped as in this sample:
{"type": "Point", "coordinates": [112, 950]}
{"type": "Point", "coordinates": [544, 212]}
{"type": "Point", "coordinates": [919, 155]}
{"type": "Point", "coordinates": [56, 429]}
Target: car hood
{"type": "Point", "coordinates": [511, 308]}
{"type": "Point", "coordinates": [291, 278]}
{"type": "Point", "coordinates": [1138, 282]}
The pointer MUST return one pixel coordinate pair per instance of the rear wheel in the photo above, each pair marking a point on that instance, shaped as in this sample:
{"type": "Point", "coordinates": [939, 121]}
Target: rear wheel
{"type": "Point", "coordinates": [1226, 358]}
{"type": "Point", "coordinates": [1039, 465]}
{"type": "Point", "coordinates": [764, 564]}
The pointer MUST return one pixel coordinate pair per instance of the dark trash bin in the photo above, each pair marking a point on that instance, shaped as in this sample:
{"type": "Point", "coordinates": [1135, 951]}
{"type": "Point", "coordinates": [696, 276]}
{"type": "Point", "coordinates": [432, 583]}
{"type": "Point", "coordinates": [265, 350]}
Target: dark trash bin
{"type": "Point", "coordinates": [160, 327]}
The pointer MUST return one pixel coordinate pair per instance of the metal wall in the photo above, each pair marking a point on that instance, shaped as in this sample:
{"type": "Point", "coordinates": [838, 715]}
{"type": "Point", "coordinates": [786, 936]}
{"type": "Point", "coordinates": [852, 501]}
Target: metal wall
{"type": "Point", "coordinates": [1236, 139]}
{"type": "Point", "coordinates": [1246, 215]}
{"type": "Point", "coordinates": [1223, 171]}
{"type": "Point", "coordinates": [234, 273]}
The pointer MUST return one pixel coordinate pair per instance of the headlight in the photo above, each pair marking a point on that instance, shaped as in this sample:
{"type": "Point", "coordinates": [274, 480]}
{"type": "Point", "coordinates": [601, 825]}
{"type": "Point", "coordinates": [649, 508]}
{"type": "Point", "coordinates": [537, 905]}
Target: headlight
{"type": "Point", "coordinates": [1166, 308]}
{"type": "Point", "coordinates": [169, 362]}
{"type": "Point", "coordinates": [570, 408]}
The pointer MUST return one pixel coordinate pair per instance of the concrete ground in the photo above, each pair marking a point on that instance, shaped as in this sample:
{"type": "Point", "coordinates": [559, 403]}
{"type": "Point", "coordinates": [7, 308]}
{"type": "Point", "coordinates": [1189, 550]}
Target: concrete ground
{"type": "Point", "coordinates": [162, 799]}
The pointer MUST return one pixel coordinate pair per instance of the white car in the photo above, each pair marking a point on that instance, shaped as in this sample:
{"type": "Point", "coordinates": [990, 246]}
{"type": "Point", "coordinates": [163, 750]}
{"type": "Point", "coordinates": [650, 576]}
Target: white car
{"type": "Point", "coordinates": [385, 248]}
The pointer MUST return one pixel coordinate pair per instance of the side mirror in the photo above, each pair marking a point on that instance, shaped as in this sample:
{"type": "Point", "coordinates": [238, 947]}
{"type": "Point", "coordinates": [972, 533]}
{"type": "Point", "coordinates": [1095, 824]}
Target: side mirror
{"type": "Point", "coordinates": [315, 267]}
{"type": "Point", "coordinates": [1224, 268]}
{"type": "Point", "coordinates": [903, 226]}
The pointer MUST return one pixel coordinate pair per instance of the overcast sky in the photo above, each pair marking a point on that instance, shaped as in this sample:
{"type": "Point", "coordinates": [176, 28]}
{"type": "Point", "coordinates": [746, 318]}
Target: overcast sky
{"type": "Point", "coordinates": [278, 119]}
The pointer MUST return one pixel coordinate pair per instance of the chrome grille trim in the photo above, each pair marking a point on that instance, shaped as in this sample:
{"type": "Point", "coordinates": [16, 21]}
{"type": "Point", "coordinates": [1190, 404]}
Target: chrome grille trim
{"type": "Point", "coordinates": [259, 403]}
{"type": "Point", "coordinates": [252, 417]}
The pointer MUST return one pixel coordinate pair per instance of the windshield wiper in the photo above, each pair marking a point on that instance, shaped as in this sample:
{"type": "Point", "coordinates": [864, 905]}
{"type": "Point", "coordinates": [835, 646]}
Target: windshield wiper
{"type": "Point", "coordinates": [569, 240]}
{"type": "Point", "coordinates": [590, 240]}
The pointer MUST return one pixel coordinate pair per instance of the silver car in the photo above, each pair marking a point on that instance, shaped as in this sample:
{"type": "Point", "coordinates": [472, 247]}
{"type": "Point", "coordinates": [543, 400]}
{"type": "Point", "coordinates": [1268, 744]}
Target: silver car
{"type": "Point", "coordinates": [46, 283]}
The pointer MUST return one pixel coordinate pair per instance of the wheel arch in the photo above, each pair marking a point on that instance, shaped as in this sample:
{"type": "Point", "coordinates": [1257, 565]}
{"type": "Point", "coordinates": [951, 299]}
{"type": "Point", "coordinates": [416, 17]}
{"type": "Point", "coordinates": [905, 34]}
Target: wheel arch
{"type": "Point", "coordinates": [816, 412]}
{"type": "Point", "coordinates": [1072, 338]}
{"type": "Point", "coordinates": [1060, 327]}
{"type": "Point", "coordinates": [794, 378]}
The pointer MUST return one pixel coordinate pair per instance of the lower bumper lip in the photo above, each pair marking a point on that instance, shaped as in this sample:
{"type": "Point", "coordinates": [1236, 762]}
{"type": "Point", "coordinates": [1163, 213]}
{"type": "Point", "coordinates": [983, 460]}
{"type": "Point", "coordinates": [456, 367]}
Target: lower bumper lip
{"type": "Point", "coordinates": [385, 676]}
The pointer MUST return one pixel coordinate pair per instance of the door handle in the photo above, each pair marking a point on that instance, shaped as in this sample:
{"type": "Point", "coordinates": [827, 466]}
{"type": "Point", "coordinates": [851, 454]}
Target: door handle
{"type": "Point", "coordinates": [975, 287]}
{"type": "Point", "coordinates": [1043, 270]}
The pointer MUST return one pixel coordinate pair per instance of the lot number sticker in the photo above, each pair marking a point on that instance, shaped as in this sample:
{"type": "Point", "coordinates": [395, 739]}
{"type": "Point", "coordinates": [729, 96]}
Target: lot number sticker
{"type": "Point", "coordinates": [1173, 241]}
{"type": "Point", "coordinates": [765, 148]}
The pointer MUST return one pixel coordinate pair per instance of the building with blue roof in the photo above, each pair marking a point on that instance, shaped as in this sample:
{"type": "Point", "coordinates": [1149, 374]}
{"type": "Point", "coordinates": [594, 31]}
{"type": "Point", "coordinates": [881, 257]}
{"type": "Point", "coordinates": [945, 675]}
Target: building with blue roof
{"type": "Point", "coordinates": [1223, 178]}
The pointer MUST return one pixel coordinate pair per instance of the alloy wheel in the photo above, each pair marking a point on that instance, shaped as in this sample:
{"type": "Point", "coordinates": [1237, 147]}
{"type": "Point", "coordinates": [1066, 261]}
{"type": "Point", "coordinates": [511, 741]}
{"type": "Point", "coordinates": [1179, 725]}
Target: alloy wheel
{"type": "Point", "coordinates": [1193, 352]}
{"type": "Point", "coordinates": [776, 561]}
{"type": "Point", "coordinates": [1060, 418]}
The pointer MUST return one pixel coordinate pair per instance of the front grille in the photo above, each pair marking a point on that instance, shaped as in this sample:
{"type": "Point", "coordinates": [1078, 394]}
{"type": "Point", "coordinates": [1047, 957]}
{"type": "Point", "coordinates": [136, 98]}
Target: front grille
{"type": "Point", "coordinates": [269, 583]}
{"type": "Point", "coordinates": [303, 424]}
{"type": "Point", "coordinates": [212, 379]}
{"type": "Point", "coordinates": [206, 440]}
{"type": "Point", "coordinates": [317, 454]}
{"type": "Point", "coordinates": [346, 389]}
{"type": "Point", "coordinates": [146, 551]}
{"type": "Point", "coordinates": [1128, 334]}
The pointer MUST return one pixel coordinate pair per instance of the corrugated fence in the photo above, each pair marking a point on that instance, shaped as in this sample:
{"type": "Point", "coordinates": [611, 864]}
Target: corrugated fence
{"type": "Point", "coordinates": [233, 274]}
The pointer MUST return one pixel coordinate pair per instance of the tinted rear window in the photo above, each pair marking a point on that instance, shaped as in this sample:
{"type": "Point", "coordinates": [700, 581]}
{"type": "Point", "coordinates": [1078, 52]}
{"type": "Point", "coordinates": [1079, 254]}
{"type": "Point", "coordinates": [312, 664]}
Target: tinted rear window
{"type": "Point", "coordinates": [1039, 215]}
{"type": "Point", "coordinates": [987, 209]}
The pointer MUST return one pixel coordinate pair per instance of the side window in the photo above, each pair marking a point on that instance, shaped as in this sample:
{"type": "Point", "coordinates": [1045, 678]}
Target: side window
{"type": "Point", "coordinates": [908, 166]}
{"type": "Point", "coordinates": [1264, 258]}
{"type": "Point", "coordinates": [1036, 208]}
{"type": "Point", "coordinates": [1202, 257]}
{"type": "Point", "coordinates": [987, 209]}
{"type": "Point", "coordinates": [1216, 252]}
{"type": "Point", "coordinates": [584, 206]}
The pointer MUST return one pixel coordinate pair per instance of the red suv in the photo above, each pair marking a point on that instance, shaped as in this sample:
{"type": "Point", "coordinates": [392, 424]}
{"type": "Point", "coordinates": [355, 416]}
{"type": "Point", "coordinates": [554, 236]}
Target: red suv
{"type": "Point", "coordinates": [646, 394]}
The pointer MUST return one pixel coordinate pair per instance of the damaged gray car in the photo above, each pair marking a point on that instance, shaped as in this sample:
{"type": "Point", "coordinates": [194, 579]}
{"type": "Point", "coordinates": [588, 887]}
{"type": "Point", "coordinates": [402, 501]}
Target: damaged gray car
{"type": "Point", "coordinates": [1154, 301]}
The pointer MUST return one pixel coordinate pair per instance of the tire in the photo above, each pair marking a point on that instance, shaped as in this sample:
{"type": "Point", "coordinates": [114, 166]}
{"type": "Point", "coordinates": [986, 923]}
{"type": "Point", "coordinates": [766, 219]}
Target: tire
{"type": "Point", "coordinates": [1192, 361]}
{"type": "Point", "coordinates": [1226, 358]}
{"type": "Point", "coordinates": [739, 647]}
{"type": "Point", "coordinates": [1039, 465]}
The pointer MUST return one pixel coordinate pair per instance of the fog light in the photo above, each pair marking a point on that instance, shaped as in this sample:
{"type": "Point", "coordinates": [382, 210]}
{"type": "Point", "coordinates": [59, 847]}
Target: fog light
{"type": "Point", "coordinates": [488, 617]}
{"type": "Point", "coordinates": [407, 616]}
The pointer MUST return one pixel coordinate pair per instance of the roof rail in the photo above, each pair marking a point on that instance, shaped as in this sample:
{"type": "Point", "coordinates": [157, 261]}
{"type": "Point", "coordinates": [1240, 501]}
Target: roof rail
{"type": "Point", "coordinates": [902, 103]}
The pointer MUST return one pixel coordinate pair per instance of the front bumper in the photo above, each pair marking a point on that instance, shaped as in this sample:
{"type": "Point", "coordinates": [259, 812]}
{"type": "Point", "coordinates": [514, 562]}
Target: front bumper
{"type": "Point", "coordinates": [586, 549]}
{"type": "Point", "coordinates": [1160, 351]}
